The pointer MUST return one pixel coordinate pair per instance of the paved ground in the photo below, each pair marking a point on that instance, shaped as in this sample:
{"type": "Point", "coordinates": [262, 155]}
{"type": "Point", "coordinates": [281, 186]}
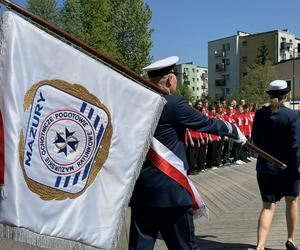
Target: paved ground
{"type": "Point", "coordinates": [232, 197]}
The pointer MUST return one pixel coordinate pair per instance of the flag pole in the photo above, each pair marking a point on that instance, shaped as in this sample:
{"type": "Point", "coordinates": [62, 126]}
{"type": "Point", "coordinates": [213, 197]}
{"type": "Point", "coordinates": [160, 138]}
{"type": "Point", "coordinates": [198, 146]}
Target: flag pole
{"type": "Point", "coordinates": [121, 68]}
{"type": "Point", "coordinates": [113, 63]}
{"type": "Point", "coordinates": [266, 155]}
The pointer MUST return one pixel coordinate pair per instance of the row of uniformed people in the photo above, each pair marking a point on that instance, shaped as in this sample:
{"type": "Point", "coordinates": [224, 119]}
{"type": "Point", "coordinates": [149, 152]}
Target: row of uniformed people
{"type": "Point", "coordinates": [210, 151]}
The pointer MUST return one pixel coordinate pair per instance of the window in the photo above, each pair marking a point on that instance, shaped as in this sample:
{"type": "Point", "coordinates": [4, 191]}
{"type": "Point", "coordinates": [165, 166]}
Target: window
{"type": "Point", "coordinates": [193, 79]}
{"type": "Point", "coordinates": [193, 88]}
{"type": "Point", "coordinates": [226, 46]}
{"type": "Point", "coordinates": [227, 77]}
{"type": "Point", "coordinates": [244, 59]}
{"type": "Point", "coordinates": [197, 88]}
{"type": "Point", "coordinates": [227, 91]}
{"type": "Point", "coordinates": [220, 67]}
{"type": "Point", "coordinates": [289, 83]}
{"type": "Point", "coordinates": [193, 70]}
{"type": "Point", "coordinates": [244, 43]}
{"type": "Point", "coordinates": [226, 61]}
{"type": "Point", "coordinates": [220, 82]}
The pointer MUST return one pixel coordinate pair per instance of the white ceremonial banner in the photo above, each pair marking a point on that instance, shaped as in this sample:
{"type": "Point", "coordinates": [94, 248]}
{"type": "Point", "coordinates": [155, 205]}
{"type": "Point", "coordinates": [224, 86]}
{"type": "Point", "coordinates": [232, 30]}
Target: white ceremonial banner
{"type": "Point", "coordinates": [76, 135]}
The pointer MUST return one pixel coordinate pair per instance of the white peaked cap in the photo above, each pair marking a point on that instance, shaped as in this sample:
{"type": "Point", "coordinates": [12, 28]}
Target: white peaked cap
{"type": "Point", "coordinates": [161, 67]}
{"type": "Point", "coordinates": [278, 87]}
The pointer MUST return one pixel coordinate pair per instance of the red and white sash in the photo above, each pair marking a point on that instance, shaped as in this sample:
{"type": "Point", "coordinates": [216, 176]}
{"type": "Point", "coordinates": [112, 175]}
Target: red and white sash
{"type": "Point", "coordinates": [165, 160]}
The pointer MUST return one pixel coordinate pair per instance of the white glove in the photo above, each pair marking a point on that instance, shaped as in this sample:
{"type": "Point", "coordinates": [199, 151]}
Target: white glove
{"type": "Point", "coordinates": [241, 138]}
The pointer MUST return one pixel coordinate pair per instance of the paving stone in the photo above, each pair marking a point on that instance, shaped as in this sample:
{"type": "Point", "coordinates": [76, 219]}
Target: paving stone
{"type": "Point", "coordinates": [232, 196]}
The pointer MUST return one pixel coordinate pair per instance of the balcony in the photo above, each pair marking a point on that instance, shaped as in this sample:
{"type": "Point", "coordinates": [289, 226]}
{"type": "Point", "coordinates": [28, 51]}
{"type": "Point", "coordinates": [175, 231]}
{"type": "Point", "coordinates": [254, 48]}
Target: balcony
{"type": "Point", "coordinates": [220, 53]}
{"type": "Point", "coordinates": [285, 46]}
{"type": "Point", "coordinates": [220, 67]}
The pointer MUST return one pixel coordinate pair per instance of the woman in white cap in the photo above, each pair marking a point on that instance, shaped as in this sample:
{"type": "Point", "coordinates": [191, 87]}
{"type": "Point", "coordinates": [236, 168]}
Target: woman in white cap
{"type": "Point", "coordinates": [276, 130]}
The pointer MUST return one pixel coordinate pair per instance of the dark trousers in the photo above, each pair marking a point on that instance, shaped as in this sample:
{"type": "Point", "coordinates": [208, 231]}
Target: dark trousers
{"type": "Point", "coordinates": [192, 155]}
{"type": "Point", "coordinates": [245, 152]}
{"type": "Point", "coordinates": [174, 224]}
{"type": "Point", "coordinates": [201, 161]}
{"type": "Point", "coordinates": [211, 154]}
{"type": "Point", "coordinates": [236, 150]}
{"type": "Point", "coordinates": [219, 148]}
{"type": "Point", "coordinates": [227, 148]}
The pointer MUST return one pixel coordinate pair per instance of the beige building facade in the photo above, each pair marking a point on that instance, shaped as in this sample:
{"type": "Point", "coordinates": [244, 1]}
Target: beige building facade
{"type": "Point", "coordinates": [280, 44]}
{"type": "Point", "coordinates": [286, 70]}
{"type": "Point", "coordinates": [230, 58]}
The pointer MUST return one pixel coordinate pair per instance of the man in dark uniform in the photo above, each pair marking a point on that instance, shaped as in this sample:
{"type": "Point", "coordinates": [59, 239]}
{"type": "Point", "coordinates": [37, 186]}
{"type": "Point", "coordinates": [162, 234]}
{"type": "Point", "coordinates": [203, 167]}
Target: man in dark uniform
{"type": "Point", "coordinates": [159, 203]}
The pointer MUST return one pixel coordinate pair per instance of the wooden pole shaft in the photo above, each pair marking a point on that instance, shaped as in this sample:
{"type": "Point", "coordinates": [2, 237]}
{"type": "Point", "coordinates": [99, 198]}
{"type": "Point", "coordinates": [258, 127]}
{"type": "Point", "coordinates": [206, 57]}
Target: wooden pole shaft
{"type": "Point", "coordinates": [265, 155]}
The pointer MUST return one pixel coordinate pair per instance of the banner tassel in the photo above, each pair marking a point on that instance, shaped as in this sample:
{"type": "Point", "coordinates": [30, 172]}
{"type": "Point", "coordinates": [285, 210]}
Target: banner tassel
{"type": "Point", "coordinates": [45, 241]}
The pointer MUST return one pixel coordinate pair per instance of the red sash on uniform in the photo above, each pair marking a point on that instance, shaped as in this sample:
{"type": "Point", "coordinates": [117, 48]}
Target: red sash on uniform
{"type": "Point", "coordinates": [165, 160]}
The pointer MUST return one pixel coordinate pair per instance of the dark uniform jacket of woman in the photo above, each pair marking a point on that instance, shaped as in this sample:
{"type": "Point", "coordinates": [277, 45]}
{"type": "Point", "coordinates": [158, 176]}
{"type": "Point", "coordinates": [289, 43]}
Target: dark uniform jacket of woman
{"type": "Point", "coordinates": [279, 135]}
{"type": "Point", "coordinates": [154, 188]}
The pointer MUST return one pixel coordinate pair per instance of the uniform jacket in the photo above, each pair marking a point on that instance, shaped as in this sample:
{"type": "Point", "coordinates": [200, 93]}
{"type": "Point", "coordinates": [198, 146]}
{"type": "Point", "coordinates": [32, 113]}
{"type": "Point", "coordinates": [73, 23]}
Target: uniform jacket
{"type": "Point", "coordinates": [239, 121]}
{"type": "Point", "coordinates": [279, 135]}
{"type": "Point", "coordinates": [155, 189]}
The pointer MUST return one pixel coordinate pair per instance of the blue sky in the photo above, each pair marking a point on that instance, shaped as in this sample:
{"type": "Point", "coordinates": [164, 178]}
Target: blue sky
{"type": "Point", "coordinates": [184, 27]}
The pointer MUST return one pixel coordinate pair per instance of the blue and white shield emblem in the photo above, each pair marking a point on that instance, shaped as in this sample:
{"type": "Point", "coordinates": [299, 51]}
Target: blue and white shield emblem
{"type": "Point", "coordinates": [64, 137]}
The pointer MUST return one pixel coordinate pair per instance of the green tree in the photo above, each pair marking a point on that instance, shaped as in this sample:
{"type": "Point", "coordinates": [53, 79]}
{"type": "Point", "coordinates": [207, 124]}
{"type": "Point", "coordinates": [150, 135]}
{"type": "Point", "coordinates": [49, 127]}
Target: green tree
{"type": "Point", "coordinates": [254, 84]}
{"type": "Point", "coordinates": [263, 53]}
{"type": "Point", "coordinates": [46, 9]}
{"type": "Point", "coordinates": [130, 27]}
{"type": "Point", "coordinates": [71, 18]}
{"type": "Point", "coordinates": [184, 90]}
{"type": "Point", "coordinates": [90, 22]}
{"type": "Point", "coordinates": [118, 28]}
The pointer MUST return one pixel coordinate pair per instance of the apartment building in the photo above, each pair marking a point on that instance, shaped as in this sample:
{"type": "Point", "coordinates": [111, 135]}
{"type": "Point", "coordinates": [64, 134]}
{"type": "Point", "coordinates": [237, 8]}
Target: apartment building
{"type": "Point", "coordinates": [223, 66]}
{"type": "Point", "coordinates": [195, 77]}
{"type": "Point", "coordinates": [229, 58]}
{"type": "Point", "coordinates": [280, 45]}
